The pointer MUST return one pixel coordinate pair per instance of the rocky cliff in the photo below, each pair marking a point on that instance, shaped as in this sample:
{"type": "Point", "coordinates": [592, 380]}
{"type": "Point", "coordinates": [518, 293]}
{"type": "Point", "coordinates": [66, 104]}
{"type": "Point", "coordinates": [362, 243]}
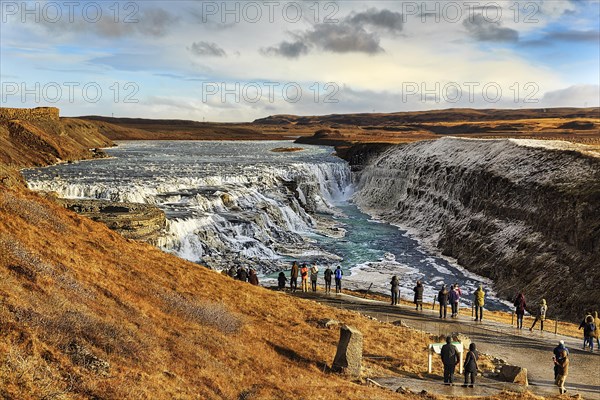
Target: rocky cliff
{"type": "Point", "coordinates": [142, 222]}
{"type": "Point", "coordinates": [36, 137]}
{"type": "Point", "coordinates": [523, 213]}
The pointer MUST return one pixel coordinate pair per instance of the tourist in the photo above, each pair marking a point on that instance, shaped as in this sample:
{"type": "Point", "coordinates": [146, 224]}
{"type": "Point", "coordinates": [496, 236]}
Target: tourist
{"type": "Point", "coordinates": [597, 331]}
{"type": "Point", "coordinates": [470, 365]}
{"type": "Point", "coordinates": [281, 280]}
{"type": "Point", "coordinates": [304, 277]}
{"type": "Point", "coordinates": [294, 277]}
{"type": "Point", "coordinates": [459, 293]}
{"type": "Point", "coordinates": [540, 315]}
{"type": "Point", "coordinates": [479, 301]}
{"type": "Point", "coordinates": [314, 276]}
{"type": "Point", "coordinates": [395, 290]}
{"type": "Point", "coordinates": [418, 296]}
{"type": "Point", "coordinates": [242, 274]}
{"type": "Point", "coordinates": [253, 278]}
{"type": "Point", "coordinates": [589, 328]}
{"type": "Point", "coordinates": [520, 305]}
{"type": "Point", "coordinates": [453, 299]}
{"type": "Point", "coordinates": [328, 274]}
{"type": "Point", "coordinates": [562, 362]}
{"type": "Point", "coordinates": [443, 300]}
{"type": "Point", "coordinates": [232, 271]}
{"type": "Point", "coordinates": [338, 279]}
{"type": "Point", "coordinates": [557, 352]}
{"type": "Point", "coordinates": [449, 354]}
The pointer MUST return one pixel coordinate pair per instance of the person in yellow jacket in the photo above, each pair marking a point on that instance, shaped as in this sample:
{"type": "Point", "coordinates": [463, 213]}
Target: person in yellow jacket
{"type": "Point", "coordinates": [541, 315]}
{"type": "Point", "coordinates": [479, 301]}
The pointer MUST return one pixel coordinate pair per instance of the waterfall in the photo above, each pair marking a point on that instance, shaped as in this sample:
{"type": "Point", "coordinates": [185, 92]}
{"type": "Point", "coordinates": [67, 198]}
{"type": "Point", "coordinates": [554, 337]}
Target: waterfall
{"type": "Point", "coordinates": [262, 213]}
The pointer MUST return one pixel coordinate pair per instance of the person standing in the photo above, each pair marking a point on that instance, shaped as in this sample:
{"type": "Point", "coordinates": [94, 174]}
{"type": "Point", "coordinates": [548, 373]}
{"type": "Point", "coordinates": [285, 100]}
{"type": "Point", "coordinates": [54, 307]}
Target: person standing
{"type": "Point", "coordinates": [520, 305]}
{"type": "Point", "coordinates": [589, 329]}
{"type": "Point", "coordinates": [557, 354]}
{"type": "Point", "coordinates": [449, 354]}
{"type": "Point", "coordinates": [470, 365]}
{"type": "Point", "coordinates": [328, 274]}
{"type": "Point", "coordinates": [418, 296]}
{"type": "Point", "coordinates": [338, 279]}
{"type": "Point", "coordinates": [443, 300]}
{"type": "Point", "coordinates": [453, 299]}
{"type": "Point", "coordinates": [395, 290]}
{"type": "Point", "coordinates": [479, 301]}
{"type": "Point", "coordinates": [597, 331]}
{"type": "Point", "coordinates": [281, 281]}
{"type": "Point", "coordinates": [541, 315]}
{"type": "Point", "coordinates": [242, 274]}
{"type": "Point", "coordinates": [314, 276]}
{"type": "Point", "coordinates": [294, 277]}
{"type": "Point", "coordinates": [304, 277]}
{"type": "Point", "coordinates": [562, 363]}
{"type": "Point", "coordinates": [253, 278]}
{"type": "Point", "coordinates": [459, 294]}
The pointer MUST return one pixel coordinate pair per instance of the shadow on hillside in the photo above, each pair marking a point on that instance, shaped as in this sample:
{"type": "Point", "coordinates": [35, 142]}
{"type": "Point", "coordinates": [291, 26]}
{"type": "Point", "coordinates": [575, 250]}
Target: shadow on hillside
{"type": "Point", "coordinates": [293, 356]}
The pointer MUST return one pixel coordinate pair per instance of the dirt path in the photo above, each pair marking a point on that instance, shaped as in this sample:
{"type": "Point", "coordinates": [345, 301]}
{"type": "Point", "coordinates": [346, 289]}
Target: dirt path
{"type": "Point", "coordinates": [532, 350]}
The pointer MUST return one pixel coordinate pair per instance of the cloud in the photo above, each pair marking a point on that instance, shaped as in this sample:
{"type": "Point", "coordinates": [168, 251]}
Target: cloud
{"type": "Point", "coordinates": [575, 36]}
{"type": "Point", "coordinates": [286, 49]}
{"type": "Point", "coordinates": [573, 96]}
{"type": "Point", "coordinates": [390, 20]}
{"type": "Point", "coordinates": [154, 22]}
{"type": "Point", "coordinates": [207, 49]}
{"type": "Point", "coordinates": [485, 31]}
{"type": "Point", "coordinates": [344, 38]}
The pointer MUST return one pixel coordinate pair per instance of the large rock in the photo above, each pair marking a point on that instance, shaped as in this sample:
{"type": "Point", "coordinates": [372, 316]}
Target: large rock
{"type": "Point", "coordinates": [142, 222]}
{"type": "Point", "coordinates": [514, 374]}
{"type": "Point", "coordinates": [348, 358]}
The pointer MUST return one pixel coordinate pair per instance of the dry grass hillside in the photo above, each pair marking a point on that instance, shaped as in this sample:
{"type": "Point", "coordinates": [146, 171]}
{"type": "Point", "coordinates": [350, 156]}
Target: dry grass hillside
{"type": "Point", "coordinates": [87, 314]}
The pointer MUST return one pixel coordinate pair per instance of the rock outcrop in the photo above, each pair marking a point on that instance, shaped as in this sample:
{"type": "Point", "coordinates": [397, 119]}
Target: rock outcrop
{"type": "Point", "coordinates": [142, 222]}
{"type": "Point", "coordinates": [523, 213]}
{"type": "Point", "coordinates": [348, 358]}
{"type": "Point", "coordinates": [514, 374]}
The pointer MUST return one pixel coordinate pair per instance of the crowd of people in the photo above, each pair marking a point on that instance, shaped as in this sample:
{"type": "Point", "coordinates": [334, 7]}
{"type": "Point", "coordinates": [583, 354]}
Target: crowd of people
{"type": "Point", "coordinates": [445, 297]}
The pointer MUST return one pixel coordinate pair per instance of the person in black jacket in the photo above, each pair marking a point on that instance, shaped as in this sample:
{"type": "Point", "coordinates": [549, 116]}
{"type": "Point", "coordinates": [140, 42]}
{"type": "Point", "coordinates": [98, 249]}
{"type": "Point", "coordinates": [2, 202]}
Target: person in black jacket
{"type": "Point", "coordinates": [328, 274]}
{"type": "Point", "coordinates": [449, 354]}
{"type": "Point", "coordinates": [418, 296]}
{"type": "Point", "coordinates": [281, 280]}
{"type": "Point", "coordinates": [242, 274]}
{"type": "Point", "coordinates": [470, 365]}
{"type": "Point", "coordinates": [395, 290]}
{"type": "Point", "coordinates": [443, 300]}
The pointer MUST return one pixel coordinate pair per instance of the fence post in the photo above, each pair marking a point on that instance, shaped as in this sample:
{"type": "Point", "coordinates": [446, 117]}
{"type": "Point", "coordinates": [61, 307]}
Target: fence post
{"type": "Point", "coordinates": [556, 326]}
{"type": "Point", "coordinates": [473, 310]}
{"type": "Point", "coordinates": [433, 304]}
{"type": "Point", "coordinates": [512, 318]}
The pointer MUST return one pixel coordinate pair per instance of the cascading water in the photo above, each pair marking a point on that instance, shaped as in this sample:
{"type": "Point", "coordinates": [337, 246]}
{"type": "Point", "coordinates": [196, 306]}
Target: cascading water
{"type": "Point", "coordinates": [239, 203]}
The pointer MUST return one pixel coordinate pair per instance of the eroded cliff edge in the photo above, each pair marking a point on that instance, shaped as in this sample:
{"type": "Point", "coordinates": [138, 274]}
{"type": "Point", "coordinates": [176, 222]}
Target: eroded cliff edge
{"type": "Point", "coordinates": [523, 213]}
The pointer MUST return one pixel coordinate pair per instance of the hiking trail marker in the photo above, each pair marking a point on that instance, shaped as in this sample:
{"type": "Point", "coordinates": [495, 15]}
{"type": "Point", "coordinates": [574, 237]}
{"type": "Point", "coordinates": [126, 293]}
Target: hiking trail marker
{"type": "Point", "coordinates": [437, 349]}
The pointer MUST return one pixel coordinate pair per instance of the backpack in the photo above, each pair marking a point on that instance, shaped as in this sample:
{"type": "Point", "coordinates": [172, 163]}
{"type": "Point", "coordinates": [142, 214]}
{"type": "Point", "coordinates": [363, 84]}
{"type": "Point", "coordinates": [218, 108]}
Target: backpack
{"type": "Point", "coordinates": [338, 274]}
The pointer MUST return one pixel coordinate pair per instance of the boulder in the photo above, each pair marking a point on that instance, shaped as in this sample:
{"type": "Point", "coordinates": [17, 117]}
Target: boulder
{"type": "Point", "coordinates": [328, 323]}
{"type": "Point", "coordinates": [514, 374]}
{"type": "Point", "coordinates": [348, 357]}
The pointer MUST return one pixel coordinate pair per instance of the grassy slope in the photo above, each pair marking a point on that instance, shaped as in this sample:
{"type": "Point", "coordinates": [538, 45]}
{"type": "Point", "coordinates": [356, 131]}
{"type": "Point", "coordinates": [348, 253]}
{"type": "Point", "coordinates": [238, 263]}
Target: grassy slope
{"type": "Point", "coordinates": [74, 294]}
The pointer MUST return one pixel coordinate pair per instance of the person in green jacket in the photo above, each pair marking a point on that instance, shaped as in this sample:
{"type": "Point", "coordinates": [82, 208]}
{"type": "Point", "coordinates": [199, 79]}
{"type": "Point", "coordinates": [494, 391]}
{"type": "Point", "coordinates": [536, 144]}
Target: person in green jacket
{"type": "Point", "coordinates": [479, 301]}
{"type": "Point", "coordinates": [540, 316]}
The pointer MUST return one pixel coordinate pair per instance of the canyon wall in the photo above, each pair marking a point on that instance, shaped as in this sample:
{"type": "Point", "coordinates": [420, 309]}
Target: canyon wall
{"type": "Point", "coordinates": [523, 213]}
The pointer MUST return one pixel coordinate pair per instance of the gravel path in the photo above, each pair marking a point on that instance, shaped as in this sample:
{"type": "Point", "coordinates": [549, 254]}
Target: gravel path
{"type": "Point", "coordinates": [532, 350]}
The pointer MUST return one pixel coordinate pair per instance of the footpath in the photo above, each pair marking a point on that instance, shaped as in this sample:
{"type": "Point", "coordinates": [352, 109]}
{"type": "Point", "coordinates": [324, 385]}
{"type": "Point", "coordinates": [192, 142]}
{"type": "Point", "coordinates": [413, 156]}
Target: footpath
{"type": "Point", "coordinates": [531, 350]}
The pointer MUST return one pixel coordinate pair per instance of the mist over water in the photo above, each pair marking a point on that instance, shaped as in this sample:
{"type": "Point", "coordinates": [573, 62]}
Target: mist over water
{"type": "Point", "coordinates": [240, 203]}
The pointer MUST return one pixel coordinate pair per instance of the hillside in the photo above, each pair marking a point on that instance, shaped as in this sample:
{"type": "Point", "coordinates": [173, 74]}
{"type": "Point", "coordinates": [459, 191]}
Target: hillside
{"type": "Point", "coordinates": [149, 129]}
{"type": "Point", "coordinates": [581, 125]}
{"type": "Point", "coordinates": [88, 314]}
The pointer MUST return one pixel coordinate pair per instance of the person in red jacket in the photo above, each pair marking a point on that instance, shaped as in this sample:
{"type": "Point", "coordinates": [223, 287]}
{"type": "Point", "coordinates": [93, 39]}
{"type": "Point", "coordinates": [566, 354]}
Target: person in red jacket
{"type": "Point", "coordinates": [304, 276]}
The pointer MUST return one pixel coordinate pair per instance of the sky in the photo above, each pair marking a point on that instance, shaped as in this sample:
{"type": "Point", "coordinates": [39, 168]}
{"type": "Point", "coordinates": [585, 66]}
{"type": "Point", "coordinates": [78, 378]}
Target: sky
{"type": "Point", "coordinates": [232, 61]}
